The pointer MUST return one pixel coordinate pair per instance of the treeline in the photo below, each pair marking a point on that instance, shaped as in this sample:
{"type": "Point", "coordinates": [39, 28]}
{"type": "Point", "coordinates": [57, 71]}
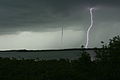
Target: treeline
{"type": "Point", "coordinates": [105, 66]}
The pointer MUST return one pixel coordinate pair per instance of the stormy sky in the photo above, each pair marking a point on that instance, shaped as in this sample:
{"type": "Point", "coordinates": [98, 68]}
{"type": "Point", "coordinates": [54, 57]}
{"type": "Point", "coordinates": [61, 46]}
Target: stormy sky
{"type": "Point", "coordinates": [37, 24]}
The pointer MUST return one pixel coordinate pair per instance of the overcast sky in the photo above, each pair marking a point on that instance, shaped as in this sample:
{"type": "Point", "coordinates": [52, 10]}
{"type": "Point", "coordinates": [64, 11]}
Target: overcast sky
{"type": "Point", "coordinates": [37, 24]}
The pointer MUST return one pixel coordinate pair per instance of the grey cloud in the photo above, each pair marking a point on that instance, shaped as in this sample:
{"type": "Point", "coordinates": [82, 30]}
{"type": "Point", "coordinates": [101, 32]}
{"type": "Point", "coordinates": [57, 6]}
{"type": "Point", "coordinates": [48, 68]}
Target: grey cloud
{"type": "Point", "coordinates": [47, 15]}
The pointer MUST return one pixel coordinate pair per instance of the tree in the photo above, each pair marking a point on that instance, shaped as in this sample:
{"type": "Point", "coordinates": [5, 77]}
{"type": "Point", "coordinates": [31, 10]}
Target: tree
{"type": "Point", "coordinates": [85, 57]}
{"type": "Point", "coordinates": [110, 51]}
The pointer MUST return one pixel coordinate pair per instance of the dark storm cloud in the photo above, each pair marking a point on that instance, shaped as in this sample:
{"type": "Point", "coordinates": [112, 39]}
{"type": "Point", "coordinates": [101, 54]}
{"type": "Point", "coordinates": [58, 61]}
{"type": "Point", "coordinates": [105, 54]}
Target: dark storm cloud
{"type": "Point", "coordinates": [47, 15]}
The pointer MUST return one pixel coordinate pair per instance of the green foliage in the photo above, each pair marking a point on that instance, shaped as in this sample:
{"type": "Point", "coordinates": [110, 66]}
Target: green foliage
{"type": "Point", "coordinates": [110, 52]}
{"type": "Point", "coordinates": [85, 57]}
{"type": "Point", "coordinates": [108, 60]}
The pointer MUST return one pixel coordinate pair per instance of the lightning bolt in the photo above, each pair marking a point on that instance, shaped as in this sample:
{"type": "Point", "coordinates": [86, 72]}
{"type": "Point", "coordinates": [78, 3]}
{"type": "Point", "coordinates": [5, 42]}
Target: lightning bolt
{"type": "Point", "coordinates": [91, 25]}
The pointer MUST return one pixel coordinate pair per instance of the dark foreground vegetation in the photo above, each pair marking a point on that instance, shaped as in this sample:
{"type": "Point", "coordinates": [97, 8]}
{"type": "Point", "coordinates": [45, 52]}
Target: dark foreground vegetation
{"type": "Point", "coordinates": [106, 66]}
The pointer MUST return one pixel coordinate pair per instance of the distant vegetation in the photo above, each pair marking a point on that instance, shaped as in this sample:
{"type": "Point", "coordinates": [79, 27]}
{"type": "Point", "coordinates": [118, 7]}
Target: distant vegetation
{"type": "Point", "coordinates": [106, 66]}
